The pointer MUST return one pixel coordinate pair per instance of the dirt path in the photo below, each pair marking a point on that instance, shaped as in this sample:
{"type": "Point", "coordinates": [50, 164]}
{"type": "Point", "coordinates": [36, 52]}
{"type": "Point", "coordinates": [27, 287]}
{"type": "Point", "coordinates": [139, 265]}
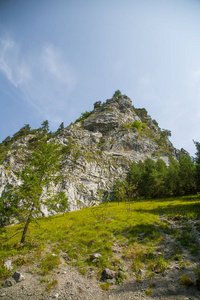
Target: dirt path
{"type": "Point", "coordinates": [71, 285]}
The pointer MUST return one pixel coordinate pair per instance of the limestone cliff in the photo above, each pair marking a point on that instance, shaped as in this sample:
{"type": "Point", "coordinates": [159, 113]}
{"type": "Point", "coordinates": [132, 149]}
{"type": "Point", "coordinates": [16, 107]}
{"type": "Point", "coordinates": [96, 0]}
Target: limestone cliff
{"type": "Point", "coordinates": [97, 150]}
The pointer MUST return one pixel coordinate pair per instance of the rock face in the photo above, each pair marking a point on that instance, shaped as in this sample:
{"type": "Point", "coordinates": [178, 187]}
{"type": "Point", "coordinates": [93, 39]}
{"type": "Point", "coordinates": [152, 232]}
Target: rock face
{"type": "Point", "coordinates": [99, 150]}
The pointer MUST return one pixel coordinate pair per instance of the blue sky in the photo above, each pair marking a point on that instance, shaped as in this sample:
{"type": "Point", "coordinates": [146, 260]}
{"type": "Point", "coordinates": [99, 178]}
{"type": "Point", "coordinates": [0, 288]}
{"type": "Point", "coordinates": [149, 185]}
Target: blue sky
{"type": "Point", "coordinates": [59, 57]}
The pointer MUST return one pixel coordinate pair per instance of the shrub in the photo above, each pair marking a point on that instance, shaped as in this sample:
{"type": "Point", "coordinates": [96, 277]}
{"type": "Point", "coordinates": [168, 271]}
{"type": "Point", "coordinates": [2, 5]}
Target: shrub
{"type": "Point", "coordinates": [4, 272]}
{"type": "Point", "coordinates": [105, 286]}
{"type": "Point", "coordinates": [186, 280]}
{"type": "Point", "coordinates": [197, 273]}
{"type": "Point", "coordinates": [117, 94]}
{"type": "Point", "coordinates": [83, 116]}
{"type": "Point", "coordinates": [148, 292]}
{"type": "Point", "coordinates": [137, 124]}
{"type": "Point", "coordinates": [51, 285]}
{"type": "Point", "coordinates": [49, 263]}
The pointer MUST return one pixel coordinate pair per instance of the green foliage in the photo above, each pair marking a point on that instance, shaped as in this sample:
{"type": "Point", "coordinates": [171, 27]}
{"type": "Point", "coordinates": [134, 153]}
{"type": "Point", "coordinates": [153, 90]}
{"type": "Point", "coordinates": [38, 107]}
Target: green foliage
{"type": "Point", "coordinates": [4, 272]}
{"type": "Point", "coordinates": [197, 273]}
{"type": "Point", "coordinates": [24, 202]}
{"type": "Point", "coordinates": [156, 179]}
{"type": "Point", "coordinates": [187, 175]}
{"type": "Point", "coordinates": [117, 94]}
{"type": "Point", "coordinates": [186, 280]}
{"type": "Point", "coordinates": [137, 124]}
{"type": "Point", "coordinates": [141, 112]}
{"type": "Point", "coordinates": [61, 127]}
{"type": "Point", "coordinates": [82, 233]}
{"type": "Point", "coordinates": [48, 263]}
{"type": "Point", "coordinates": [105, 286]}
{"type": "Point", "coordinates": [83, 116]}
{"type": "Point", "coordinates": [197, 164]}
{"type": "Point", "coordinates": [6, 141]}
{"type": "Point", "coordinates": [45, 126]}
{"type": "Point", "coordinates": [51, 284]}
{"type": "Point", "coordinates": [119, 190]}
{"type": "Point", "coordinates": [123, 191]}
{"type": "Point", "coordinates": [67, 149]}
{"type": "Point", "coordinates": [165, 133]}
{"type": "Point", "coordinates": [97, 104]}
{"type": "Point", "coordinates": [148, 292]}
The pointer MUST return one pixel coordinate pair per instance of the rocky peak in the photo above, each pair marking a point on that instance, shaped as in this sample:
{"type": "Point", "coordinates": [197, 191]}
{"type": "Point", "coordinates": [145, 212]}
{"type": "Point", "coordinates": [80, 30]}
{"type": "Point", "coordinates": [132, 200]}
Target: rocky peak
{"type": "Point", "coordinates": [97, 150]}
{"type": "Point", "coordinates": [111, 115]}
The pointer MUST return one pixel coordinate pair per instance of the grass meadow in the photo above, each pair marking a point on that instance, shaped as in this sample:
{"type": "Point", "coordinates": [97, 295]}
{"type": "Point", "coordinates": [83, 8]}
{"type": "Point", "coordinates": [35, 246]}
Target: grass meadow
{"type": "Point", "coordinates": [139, 227]}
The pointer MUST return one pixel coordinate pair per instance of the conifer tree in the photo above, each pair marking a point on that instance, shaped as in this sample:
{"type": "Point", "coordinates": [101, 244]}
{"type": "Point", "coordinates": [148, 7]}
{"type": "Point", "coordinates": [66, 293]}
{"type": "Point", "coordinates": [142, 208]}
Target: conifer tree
{"type": "Point", "coordinates": [39, 175]}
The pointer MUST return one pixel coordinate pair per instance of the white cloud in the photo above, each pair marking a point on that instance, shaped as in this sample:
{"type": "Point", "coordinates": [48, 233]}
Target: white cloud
{"type": "Point", "coordinates": [56, 65]}
{"type": "Point", "coordinates": [44, 78]}
{"type": "Point", "coordinates": [11, 65]}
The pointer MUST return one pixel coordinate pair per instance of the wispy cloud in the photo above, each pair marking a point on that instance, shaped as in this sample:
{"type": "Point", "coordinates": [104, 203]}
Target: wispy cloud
{"type": "Point", "coordinates": [44, 77]}
{"type": "Point", "coordinates": [11, 64]}
{"type": "Point", "coordinates": [53, 59]}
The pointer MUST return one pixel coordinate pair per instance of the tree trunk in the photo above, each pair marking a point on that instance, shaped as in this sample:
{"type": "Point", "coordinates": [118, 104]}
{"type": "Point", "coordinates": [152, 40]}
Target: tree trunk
{"type": "Point", "coordinates": [25, 229]}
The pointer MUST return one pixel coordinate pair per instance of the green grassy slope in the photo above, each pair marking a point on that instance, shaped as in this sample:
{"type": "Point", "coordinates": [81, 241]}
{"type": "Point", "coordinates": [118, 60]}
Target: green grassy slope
{"type": "Point", "coordinates": [140, 228]}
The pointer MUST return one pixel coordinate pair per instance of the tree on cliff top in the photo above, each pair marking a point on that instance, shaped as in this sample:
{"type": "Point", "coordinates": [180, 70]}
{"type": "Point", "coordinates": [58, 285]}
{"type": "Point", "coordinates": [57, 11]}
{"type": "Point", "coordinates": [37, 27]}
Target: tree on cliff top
{"type": "Point", "coordinates": [117, 94]}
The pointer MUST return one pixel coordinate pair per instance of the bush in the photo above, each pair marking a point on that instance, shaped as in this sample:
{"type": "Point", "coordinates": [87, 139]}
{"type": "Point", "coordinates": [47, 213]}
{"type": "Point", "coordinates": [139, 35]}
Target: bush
{"type": "Point", "coordinates": [117, 94]}
{"type": "Point", "coordinates": [105, 286]}
{"type": "Point", "coordinates": [83, 116]}
{"type": "Point", "coordinates": [49, 263]}
{"type": "Point", "coordinates": [186, 280]}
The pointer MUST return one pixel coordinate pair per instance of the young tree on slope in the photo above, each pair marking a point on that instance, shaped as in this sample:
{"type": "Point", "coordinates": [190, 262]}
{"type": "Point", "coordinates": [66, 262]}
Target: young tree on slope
{"type": "Point", "coordinates": [197, 162]}
{"type": "Point", "coordinates": [40, 175]}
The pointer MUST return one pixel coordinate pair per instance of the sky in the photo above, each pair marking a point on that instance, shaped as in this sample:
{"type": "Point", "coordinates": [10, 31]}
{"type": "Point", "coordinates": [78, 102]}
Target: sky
{"type": "Point", "coordinates": [57, 58]}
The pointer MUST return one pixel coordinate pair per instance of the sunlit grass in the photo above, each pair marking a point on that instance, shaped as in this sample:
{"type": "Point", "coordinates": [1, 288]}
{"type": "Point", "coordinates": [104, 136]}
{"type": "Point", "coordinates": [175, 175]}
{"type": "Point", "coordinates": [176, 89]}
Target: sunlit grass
{"type": "Point", "coordinates": [94, 230]}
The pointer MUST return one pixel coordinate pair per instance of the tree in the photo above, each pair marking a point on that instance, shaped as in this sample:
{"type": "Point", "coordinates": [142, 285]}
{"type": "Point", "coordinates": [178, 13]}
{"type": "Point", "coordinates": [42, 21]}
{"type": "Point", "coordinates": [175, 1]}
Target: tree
{"type": "Point", "coordinates": [172, 180]}
{"type": "Point", "coordinates": [45, 126]}
{"type": "Point", "coordinates": [135, 173]}
{"type": "Point", "coordinates": [165, 133]}
{"type": "Point", "coordinates": [119, 190]}
{"type": "Point", "coordinates": [117, 94]}
{"type": "Point", "coordinates": [7, 140]}
{"type": "Point", "coordinates": [38, 178]}
{"type": "Point", "coordinates": [83, 116]}
{"type": "Point", "coordinates": [161, 168]}
{"type": "Point", "coordinates": [187, 175]}
{"type": "Point", "coordinates": [61, 127]}
{"type": "Point", "coordinates": [197, 163]}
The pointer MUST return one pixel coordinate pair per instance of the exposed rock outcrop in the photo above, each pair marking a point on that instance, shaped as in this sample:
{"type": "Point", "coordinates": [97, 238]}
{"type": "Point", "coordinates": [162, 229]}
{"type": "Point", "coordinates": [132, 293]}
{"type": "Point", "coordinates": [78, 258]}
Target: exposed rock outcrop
{"type": "Point", "coordinates": [99, 150]}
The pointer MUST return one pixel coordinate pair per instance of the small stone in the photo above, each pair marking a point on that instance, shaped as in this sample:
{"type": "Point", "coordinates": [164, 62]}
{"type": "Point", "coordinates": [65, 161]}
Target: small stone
{"type": "Point", "coordinates": [2, 295]}
{"type": "Point", "coordinates": [56, 296]}
{"type": "Point", "coordinates": [18, 276]}
{"type": "Point", "coordinates": [9, 282]}
{"type": "Point", "coordinates": [8, 265]}
{"type": "Point", "coordinates": [111, 281]}
{"type": "Point", "coordinates": [141, 273]}
{"type": "Point", "coordinates": [65, 256]}
{"type": "Point", "coordinates": [108, 274]}
{"type": "Point", "coordinates": [95, 256]}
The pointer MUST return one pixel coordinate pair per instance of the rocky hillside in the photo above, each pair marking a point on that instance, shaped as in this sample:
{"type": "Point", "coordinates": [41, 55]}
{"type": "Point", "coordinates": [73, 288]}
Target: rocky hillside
{"type": "Point", "coordinates": [97, 149]}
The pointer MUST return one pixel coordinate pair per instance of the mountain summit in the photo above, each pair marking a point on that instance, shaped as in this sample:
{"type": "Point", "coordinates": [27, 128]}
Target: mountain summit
{"type": "Point", "coordinates": [96, 150]}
